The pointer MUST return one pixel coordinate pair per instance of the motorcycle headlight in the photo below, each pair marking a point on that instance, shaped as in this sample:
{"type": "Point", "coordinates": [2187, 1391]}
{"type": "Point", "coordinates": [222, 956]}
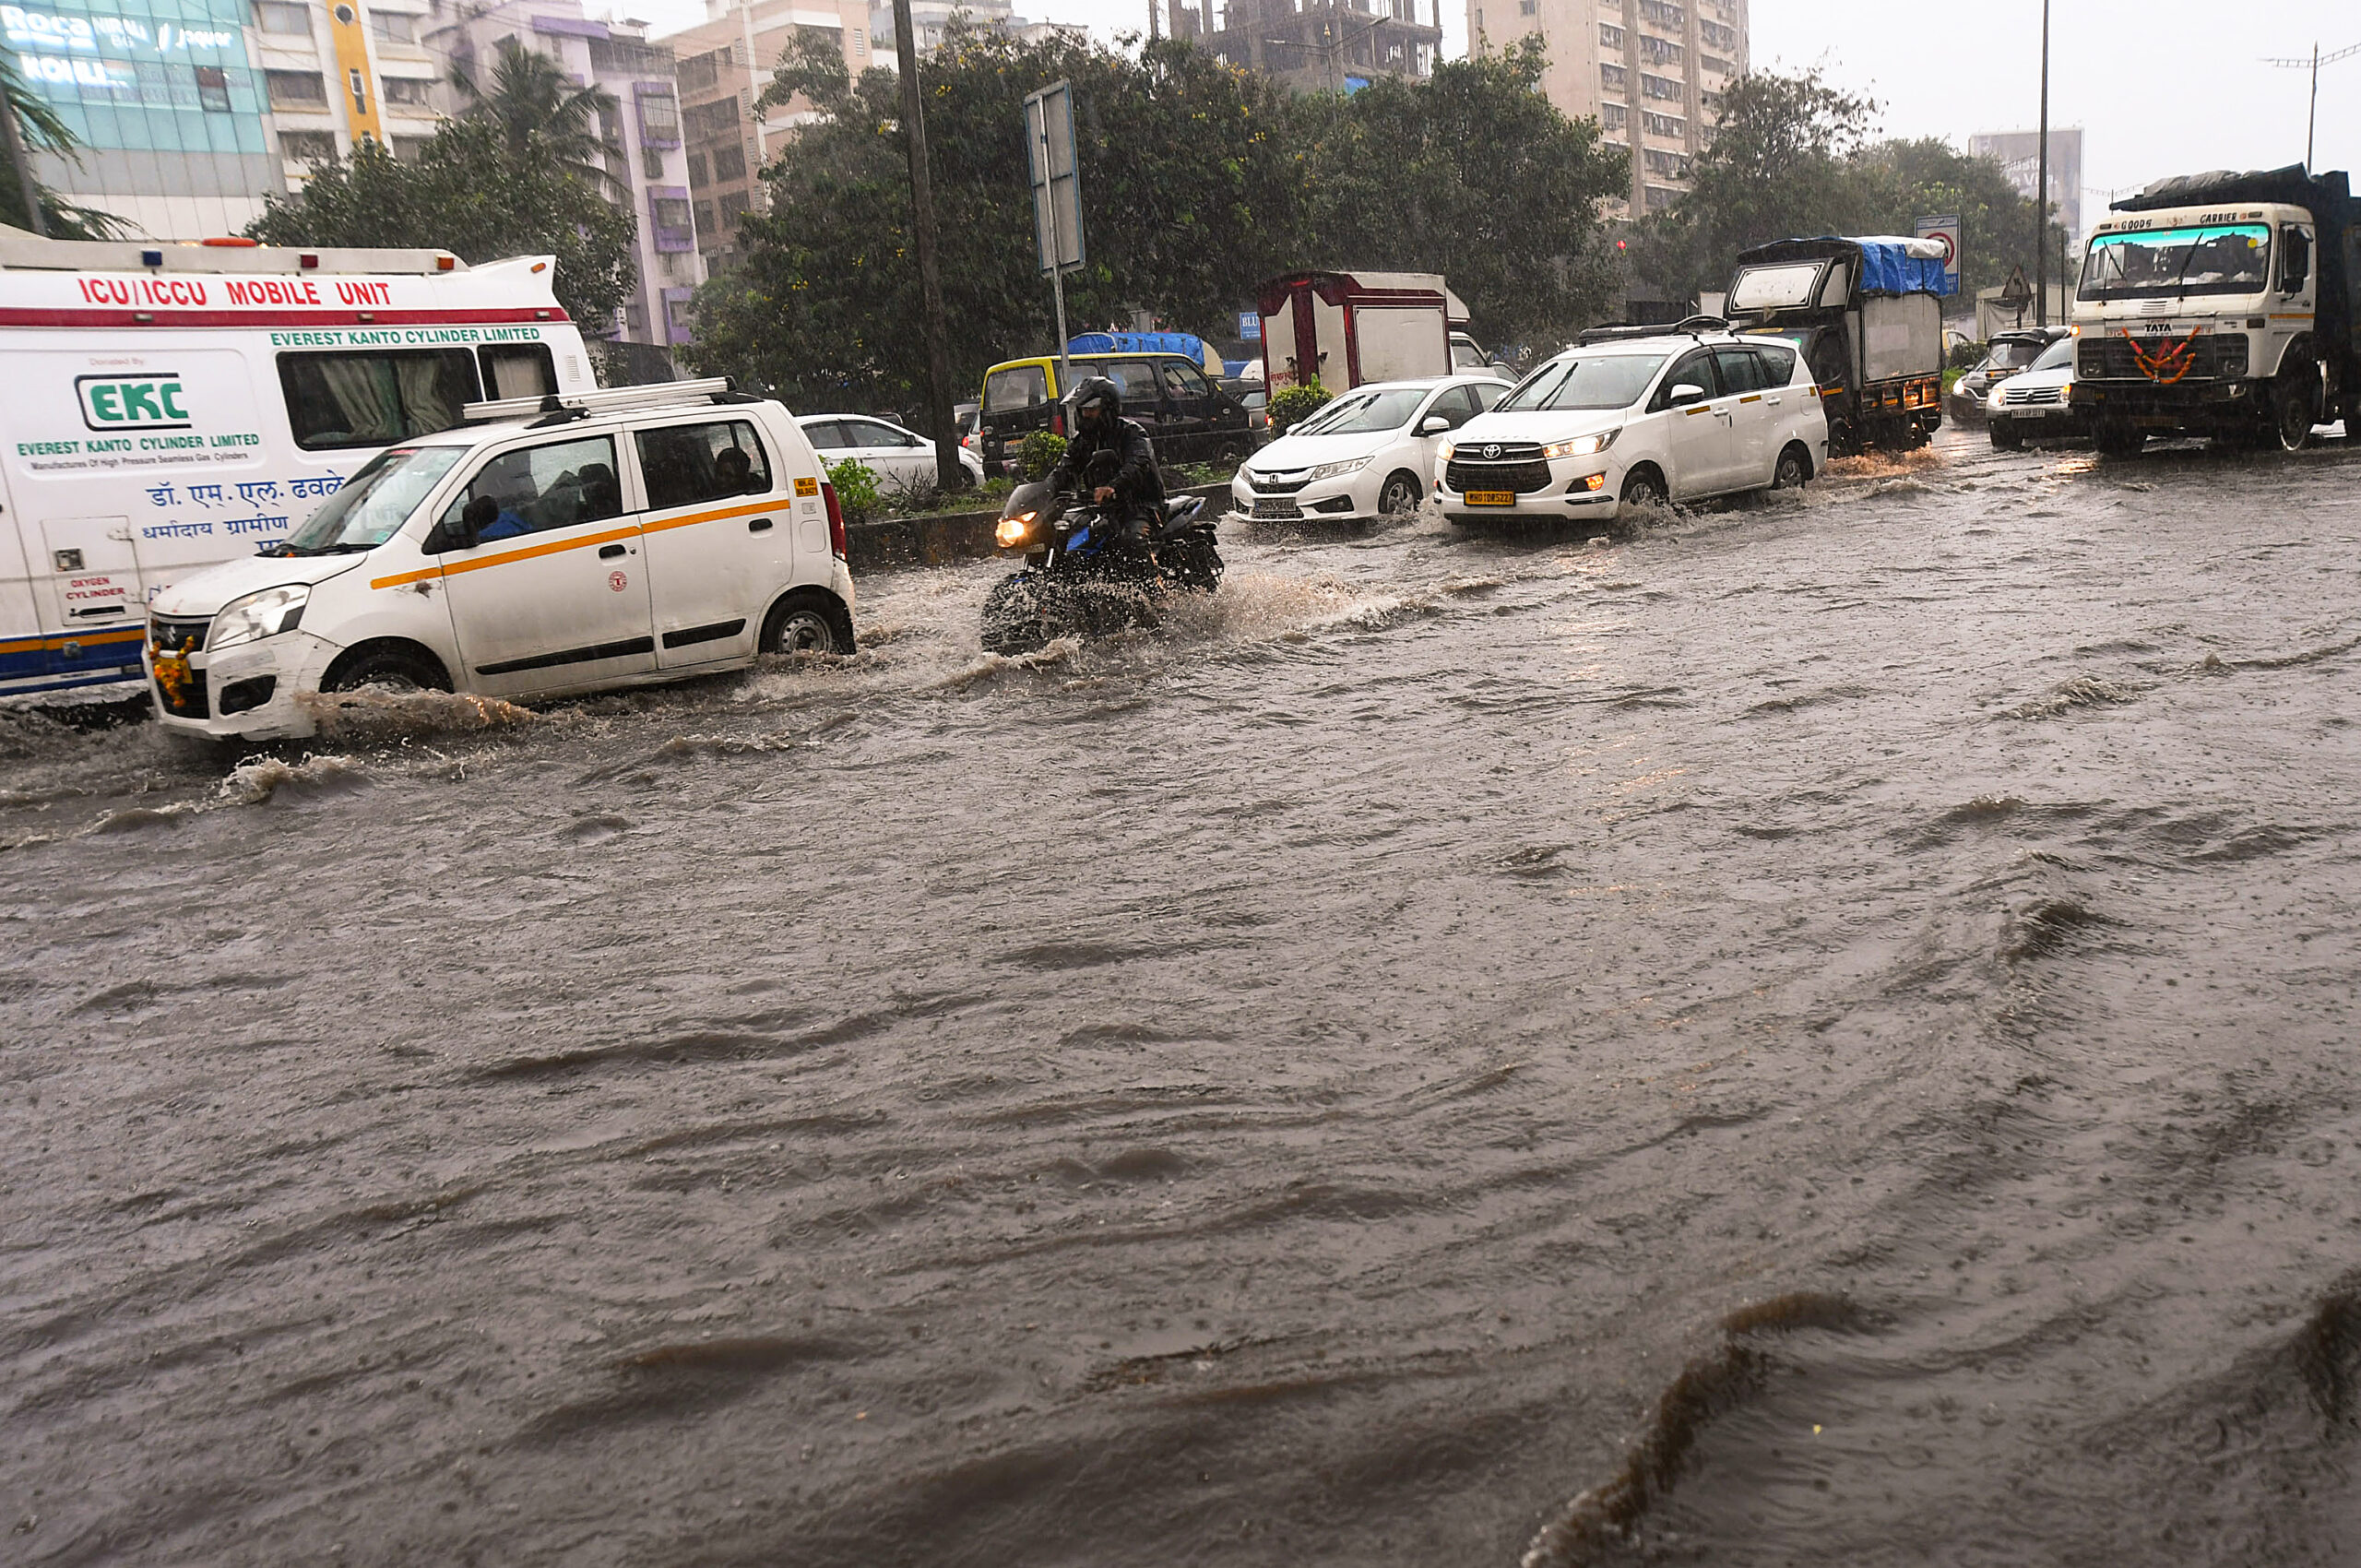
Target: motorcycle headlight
{"type": "Point", "coordinates": [1012, 530]}
{"type": "Point", "coordinates": [1349, 465]}
{"type": "Point", "coordinates": [259, 615]}
{"type": "Point", "coordinates": [1582, 445]}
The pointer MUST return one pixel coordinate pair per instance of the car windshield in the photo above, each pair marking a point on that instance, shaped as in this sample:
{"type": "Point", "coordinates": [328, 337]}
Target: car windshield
{"type": "Point", "coordinates": [1363, 413]}
{"type": "Point", "coordinates": [373, 503]}
{"type": "Point", "coordinates": [1593, 381]}
{"type": "Point", "coordinates": [2212, 258]}
{"type": "Point", "coordinates": [2013, 354]}
{"type": "Point", "coordinates": [2060, 353]}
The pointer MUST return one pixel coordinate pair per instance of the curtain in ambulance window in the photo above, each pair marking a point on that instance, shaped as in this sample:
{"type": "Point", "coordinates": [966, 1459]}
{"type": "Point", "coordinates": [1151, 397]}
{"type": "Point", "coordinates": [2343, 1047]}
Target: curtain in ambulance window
{"type": "Point", "coordinates": [370, 399]}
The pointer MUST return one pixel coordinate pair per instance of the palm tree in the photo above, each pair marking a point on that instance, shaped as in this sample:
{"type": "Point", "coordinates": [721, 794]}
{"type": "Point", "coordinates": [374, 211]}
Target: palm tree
{"type": "Point", "coordinates": [541, 113]}
{"type": "Point", "coordinates": [37, 125]}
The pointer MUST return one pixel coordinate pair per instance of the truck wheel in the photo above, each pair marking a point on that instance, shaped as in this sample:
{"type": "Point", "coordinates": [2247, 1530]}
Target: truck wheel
{"type": "Point", "coordinates": [2295, 405]}
{"type": "Point", "coordinates": [2118, 441]}
{"type": "Point", "coordinates": [2006, 437]}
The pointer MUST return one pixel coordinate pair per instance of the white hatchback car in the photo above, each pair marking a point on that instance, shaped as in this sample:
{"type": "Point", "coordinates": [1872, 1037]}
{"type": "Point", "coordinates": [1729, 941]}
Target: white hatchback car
{"type": "Point", "coordinates": [1630, 420]}
{"type": "Point", "coordinates": [547, 546]}
{"type": "Point", "coordinates": [898, 457]}
{"type": "Point", "coordinates": [1366, 455]}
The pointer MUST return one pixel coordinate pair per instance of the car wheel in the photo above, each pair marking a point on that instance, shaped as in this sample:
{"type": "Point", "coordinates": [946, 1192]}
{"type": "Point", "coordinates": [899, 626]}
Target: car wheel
{"type": "Point", "coordinates": [1401, 495]}
{"type": "Point", "coordinates": [1641, 487]}
{"type": "Point", "coordinates": [807, 623]}
{"type": "Point", "coordinates": [1795, 467]}
{"type": "Point", "coordinates": [2006, 437]}
{"type": "Point", "coordinates": [395, 668]}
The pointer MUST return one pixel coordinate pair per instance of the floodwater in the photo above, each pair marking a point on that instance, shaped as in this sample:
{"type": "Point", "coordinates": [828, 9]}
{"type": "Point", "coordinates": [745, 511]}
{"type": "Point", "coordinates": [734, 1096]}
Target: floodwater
{"type": "Point", "coordinates": [1824, 1032]}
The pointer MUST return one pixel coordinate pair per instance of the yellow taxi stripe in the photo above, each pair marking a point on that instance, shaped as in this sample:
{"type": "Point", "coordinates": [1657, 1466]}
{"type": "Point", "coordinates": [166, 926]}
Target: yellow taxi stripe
{"type": "Point", "coordinates": [1751, 398]}
{"type": "Point", "coordinates": [403, 579]}
{"type": "Point", "coordinates": [34, 644]}
{"type": "Point", "coordinates": [1700, 408]}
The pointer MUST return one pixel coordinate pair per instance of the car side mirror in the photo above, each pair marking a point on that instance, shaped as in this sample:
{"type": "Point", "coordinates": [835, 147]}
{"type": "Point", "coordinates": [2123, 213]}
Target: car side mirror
{"type": "Point", "coordinates": [463, 531]}
{"type": "Point", "coordinates": [1688, 392]}
{"type": "Point", "coordinates": [1433, 424]}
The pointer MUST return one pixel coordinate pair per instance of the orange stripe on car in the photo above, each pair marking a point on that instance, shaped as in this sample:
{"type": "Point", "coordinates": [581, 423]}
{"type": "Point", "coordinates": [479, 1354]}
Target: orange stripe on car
{"type": "Point", "coordinates": [403, 579]}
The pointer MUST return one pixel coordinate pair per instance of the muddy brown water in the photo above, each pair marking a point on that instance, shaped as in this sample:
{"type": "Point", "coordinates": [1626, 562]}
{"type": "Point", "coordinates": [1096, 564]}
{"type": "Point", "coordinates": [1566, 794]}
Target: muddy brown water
{"type": "Point", "coordinates": [1822, 1033]}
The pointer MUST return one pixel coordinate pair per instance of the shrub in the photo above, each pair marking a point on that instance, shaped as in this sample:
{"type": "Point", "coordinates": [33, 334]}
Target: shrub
{"type": "Point", "coordinates": [856, 488]}
{"type": "Point", "coordinates": [1039, 453]}
{"type": "Point", "coordinates": [1965, 354]}
{"type": "Point", "coordinates": [1292, 406]}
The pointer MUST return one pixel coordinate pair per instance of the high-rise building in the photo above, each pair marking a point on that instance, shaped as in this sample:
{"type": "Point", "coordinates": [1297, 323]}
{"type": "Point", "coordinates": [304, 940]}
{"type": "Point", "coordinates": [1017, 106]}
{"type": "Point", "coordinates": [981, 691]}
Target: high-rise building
{"type": "Point", "coordinates": [726, 63]}
{"type": "Point", "coordinates": [192, 111]}
{"type": "Point", "coordinates": [645, 159]}
{"type": "Point", "coordinates": [1653, 72]}
{"type": "Point", "coordinates": [1316, 45]}
{"type": "Point", "coordinates": [2018, 153]}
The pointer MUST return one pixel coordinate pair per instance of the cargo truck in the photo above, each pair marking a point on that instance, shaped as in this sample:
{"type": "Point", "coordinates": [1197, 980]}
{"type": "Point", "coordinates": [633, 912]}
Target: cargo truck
{"type": "Point", "coordinates": [1345, 328]}
{"type": "Point", "coordinates": [1867, 314]}
{"type": "Point", "coordinates": [2221, 305]}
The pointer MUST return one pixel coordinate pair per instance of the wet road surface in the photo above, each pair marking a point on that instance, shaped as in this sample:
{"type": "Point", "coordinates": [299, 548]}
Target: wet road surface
{"type": "Point", "coordinates": [1820, 1033]}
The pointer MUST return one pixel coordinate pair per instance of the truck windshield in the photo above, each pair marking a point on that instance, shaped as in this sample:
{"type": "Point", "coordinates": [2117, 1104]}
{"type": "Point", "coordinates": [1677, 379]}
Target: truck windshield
{"type": "Point", "coordinates": [2212, 258]}
{"type": "Point", "coordinates": [373, 502]}
{"type": "Point", "coordinates": [1776, 288]}
{"type": "Point", "coordinates": [1600, 381]}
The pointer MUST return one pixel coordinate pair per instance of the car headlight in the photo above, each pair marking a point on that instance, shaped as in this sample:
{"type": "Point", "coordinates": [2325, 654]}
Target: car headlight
{"type": "Point", "coordinates": [1349, 465]}
{"type": "Point", "coordinates": [259, 615]}
{"type": "Point", "coordinates": [2065, 394]}
{"type": "Point", "coordinates": [1448, 450]}
{"type": "Point", "coordinates": [1582, 445]}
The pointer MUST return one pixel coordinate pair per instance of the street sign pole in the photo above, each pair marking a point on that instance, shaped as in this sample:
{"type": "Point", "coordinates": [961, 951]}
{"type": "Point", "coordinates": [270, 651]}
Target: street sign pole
{"type": "Point", "coordinates": [2041, 189]}
{"type": "Point", "coordinates": [948, 472]}
{"type": "Point", "coordinates": [1057, 200]}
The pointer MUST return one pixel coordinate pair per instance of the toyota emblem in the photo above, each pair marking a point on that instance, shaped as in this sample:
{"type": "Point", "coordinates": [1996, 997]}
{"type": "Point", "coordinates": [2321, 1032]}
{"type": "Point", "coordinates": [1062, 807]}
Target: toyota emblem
{"type": "Point", "coordinates": [1493, 450]}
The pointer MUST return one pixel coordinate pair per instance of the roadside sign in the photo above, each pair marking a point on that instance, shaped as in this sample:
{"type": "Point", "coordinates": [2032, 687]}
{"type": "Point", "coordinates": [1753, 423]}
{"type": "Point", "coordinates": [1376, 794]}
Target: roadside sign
{"type": "Point", "coordinates": [1057, 178]}
{"type": "Point", "coordinates": [1250, 325]}
{"type": "Point", "coordinates": [1944, 228]}
{"type": "Point", "coordinates": [2016, 293]}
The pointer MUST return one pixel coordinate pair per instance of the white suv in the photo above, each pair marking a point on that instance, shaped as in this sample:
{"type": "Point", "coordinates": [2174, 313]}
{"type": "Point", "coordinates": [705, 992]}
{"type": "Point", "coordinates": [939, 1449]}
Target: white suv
{"type": "Point", "coordinates": [547, 546]}
{"type": "Point", "coordinates": [1628, 419]}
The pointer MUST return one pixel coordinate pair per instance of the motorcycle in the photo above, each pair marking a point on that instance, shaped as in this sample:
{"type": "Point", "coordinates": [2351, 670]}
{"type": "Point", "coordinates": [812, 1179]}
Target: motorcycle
{"type": "Point", "coordinates": [1076, 579]}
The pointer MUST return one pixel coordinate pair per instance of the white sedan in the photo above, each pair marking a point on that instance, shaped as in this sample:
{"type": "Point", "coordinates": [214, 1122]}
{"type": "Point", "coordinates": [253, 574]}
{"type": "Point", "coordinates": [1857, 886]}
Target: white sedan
{"type": "Point", "coordinates": [900, 457]}
{"type": "Point", "coordinates": [1366, 455]}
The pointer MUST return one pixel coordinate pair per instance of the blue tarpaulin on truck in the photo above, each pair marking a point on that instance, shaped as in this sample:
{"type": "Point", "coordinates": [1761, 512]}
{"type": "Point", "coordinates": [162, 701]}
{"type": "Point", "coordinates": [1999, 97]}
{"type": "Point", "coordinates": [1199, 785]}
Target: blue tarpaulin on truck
{"type": "Point", "coordinates": [1187, 343]}
{"type": "Point", "coordinates": [1901, 267]}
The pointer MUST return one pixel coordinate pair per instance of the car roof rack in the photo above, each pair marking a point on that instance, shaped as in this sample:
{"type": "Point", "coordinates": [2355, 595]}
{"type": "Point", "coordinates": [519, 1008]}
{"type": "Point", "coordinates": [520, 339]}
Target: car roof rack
{"type": "Point", "coordinates": [558, 408]}
{"type": "Point", "coordinates": [1690, 327]}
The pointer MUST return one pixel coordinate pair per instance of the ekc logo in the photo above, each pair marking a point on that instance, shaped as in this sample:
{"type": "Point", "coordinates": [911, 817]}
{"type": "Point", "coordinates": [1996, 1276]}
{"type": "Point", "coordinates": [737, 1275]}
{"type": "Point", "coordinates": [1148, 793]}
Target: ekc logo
{"type": "Point", "coordinates": [120, 402]}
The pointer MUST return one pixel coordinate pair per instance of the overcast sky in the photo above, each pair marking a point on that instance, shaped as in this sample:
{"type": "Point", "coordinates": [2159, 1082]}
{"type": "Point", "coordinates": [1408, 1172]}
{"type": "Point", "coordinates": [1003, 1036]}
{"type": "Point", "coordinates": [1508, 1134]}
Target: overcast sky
{"type": "Point", "coordinates": [2160, 87]}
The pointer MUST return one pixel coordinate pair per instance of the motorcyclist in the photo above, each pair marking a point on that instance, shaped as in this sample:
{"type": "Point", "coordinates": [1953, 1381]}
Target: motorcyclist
{"type": "Point", "coordinates": [1101, 431]}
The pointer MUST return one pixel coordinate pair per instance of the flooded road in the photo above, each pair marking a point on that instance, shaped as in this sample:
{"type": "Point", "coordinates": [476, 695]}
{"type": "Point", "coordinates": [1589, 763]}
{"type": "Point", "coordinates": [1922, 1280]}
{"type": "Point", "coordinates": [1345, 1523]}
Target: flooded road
{"type": "Point", "coordinates": [1824, 1032]}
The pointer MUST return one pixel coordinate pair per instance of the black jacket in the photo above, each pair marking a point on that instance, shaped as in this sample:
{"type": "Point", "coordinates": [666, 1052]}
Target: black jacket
{"type": "Point", "coordinates": [1138, 485]}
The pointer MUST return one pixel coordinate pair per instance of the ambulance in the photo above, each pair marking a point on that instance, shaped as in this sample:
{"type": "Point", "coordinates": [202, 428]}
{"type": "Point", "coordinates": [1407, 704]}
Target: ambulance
{"type": "Point", "coordinates": [166, 406]}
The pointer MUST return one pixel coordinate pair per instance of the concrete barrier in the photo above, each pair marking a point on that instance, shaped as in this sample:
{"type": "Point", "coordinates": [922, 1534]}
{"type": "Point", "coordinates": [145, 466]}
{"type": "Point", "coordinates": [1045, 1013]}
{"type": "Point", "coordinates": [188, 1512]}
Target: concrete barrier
{"type": "Point", "coordinates": [893, 544]}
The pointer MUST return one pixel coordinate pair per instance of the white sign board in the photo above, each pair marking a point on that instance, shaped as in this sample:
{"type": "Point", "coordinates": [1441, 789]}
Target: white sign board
{"type": "Point", "coordinates": [1944, 230]}
{"type": "Point", "coordinates": [1057, 178]}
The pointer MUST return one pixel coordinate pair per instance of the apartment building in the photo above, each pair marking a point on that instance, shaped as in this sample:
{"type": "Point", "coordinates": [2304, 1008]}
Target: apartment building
{"type": "Point", "coordinates": [1316, 45]}
{"type": "Point", "coordinates": [725, 63]}
{"type": "Point", "coordinates": [193, 111]}
{"type": "Point", "coordinates": [1653, 72]}
{"type": "Point", "coordinates": [646, 156]}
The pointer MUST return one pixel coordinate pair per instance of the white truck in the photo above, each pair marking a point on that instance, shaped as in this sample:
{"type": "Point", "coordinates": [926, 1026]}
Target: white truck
{"type": "Point", "coordinates": [170, 406]}
{"type": "Point", "coordinates": [2222, 305]}
{"type": "Point", "coordinates": [1345, 328]}
{"type": "Point", "coordinates": [1868, 316]}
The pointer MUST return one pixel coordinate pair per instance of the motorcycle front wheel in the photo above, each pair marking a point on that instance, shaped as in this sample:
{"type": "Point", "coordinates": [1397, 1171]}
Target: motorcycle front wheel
{"type": "Point", "coordinates": [1016, 621]}
{"type": "Point", "coordinates": [1192, 563]}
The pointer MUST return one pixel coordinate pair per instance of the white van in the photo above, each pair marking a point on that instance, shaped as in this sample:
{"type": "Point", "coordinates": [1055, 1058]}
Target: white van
{"type": "Point", "coordinates": [170, 405]}
{"type": "Point", "coordinates": [1634, 417]}
{"type": "Point", "coordinates": [547, 546]}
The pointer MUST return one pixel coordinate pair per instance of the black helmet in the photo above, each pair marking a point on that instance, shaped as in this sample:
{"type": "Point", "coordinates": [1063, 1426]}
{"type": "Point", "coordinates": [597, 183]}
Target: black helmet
{"type": "Point", "coordinates": [1097, 392]}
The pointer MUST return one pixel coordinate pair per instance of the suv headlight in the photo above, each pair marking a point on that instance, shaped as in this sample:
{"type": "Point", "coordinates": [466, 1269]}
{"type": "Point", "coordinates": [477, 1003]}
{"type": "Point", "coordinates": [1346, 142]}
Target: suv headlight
{"type": "Point", "coordinates": [1448, 450]}
{"type": "Point", "coordinates": [1582, 445]}
{"type": "Point", "coordinates": [1349, 465]}
{"type": "Point", "coordinates": [259, 615]}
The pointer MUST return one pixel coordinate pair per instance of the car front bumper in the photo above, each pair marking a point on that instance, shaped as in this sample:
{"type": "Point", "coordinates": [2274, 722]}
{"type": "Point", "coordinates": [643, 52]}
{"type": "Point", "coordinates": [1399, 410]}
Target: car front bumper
{"type": "Point", "coordinates": [1569, 493]}
{"type": "Point", "coordinates": [258, 683]}
{"type": "Point", "coordinates": [1342, 497]}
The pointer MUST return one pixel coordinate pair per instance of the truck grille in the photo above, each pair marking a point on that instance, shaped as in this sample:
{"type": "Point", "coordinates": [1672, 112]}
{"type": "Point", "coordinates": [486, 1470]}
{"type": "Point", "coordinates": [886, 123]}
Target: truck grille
{"type": "Point", "coordinates": [2111, 359]}
{"type": "Point", "coordinates": [1525, 478]}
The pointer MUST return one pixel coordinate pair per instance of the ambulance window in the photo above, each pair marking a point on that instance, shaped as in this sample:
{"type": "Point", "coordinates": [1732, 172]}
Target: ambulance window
{"type": "Point", "coordinates": [522, 371]}
{"type": "Point", "coordinates": [685, 463]}
{"type": "Point", "coordinates": [539, 488]}
{"type": "Point", "coordinates": [370, 399]}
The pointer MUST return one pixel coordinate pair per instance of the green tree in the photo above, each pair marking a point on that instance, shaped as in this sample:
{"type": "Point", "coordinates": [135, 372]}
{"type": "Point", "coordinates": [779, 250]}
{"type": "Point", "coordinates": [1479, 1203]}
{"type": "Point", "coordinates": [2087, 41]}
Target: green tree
{"type": "Point", "coordinates": [468, 193]}
{"type": "Point", "coordinates": [1474, 174]}
{"type": "Point", "coordinates": [40, 129]}
{"type": "Point", "coordinates": [1908, 180]}
{"type": "Point", "coordinates": [538, 111]}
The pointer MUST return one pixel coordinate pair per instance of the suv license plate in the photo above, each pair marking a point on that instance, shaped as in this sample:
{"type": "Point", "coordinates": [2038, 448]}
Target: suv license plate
{"type": "Point", "coordinates": [1266, 508]}
{"type": "Point", "coordinates": [1491, 498]}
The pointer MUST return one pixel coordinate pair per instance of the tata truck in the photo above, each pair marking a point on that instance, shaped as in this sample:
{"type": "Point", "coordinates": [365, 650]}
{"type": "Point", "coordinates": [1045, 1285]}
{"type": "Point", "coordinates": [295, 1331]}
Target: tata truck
{"type": "Point", "coordinates": [2221, 305]}
{"type": "Point", "coordinates": [1867, 314]}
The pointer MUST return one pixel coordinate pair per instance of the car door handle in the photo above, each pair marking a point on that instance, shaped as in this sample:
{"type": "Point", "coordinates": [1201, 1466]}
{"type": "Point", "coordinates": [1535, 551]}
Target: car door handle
{"type": "Point", "coordinates": [760, 524]}
{"type": "Point", "coordinates": [609, 553]}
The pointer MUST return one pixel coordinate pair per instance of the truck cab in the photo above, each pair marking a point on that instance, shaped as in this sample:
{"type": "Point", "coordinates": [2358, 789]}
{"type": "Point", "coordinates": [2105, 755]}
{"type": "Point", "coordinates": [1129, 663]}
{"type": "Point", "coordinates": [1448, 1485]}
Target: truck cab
{"type": "Point", "coordinates": [2220, 306]}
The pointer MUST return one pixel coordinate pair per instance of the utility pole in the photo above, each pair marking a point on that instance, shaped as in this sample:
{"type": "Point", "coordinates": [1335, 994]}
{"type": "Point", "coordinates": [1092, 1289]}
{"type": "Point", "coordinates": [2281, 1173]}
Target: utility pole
{"type": "Point", "coordinates": [33, 219]}
{"type": "Point", "coordinates": [947, 472]}
{"type": "Point", "coordinates": [2311, 122]}
{"type": "Point", "coordinates": [2041, 190]}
